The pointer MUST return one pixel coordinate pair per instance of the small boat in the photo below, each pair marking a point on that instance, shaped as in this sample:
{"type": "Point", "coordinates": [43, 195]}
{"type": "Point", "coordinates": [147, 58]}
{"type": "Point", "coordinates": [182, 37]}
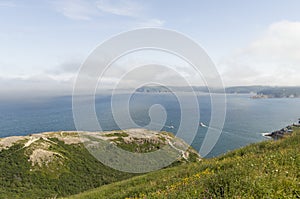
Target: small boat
{"type": "Point", "coordinates": [201, 124]}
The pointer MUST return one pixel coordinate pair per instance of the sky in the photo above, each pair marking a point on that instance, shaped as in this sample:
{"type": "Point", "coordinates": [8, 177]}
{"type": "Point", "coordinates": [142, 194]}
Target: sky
{"type": "Point", "coordinates": [43, 43]}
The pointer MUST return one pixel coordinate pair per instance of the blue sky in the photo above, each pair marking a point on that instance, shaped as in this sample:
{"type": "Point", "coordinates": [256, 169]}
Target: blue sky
{"type": "Point", "coordinates": [251, 42]}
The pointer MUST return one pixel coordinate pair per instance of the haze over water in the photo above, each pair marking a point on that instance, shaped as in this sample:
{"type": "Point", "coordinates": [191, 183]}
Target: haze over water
{"type": "Point", "coordinates": [246, 118]}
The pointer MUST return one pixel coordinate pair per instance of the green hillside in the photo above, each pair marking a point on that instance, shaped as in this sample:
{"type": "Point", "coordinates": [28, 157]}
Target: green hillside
{"type": "Point", "coordinates": [270, 169]}
{"type": "Point", "coordinates": [56, 164]}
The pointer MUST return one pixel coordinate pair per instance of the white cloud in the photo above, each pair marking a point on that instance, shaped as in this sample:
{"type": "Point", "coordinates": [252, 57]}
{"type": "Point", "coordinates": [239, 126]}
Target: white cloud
{"type": "Point", "coordinates": [152, 23]}
{"type": "Point", "coordinates": [76, 9]}
{"type": "Point", "coordinates": [119, 7]}
{"type": "Point", "coordinates": [133, 12]}
{"type": "Point", "coordinates": [86, 10]}
{"type": "Point", "coordinates": [281, 43]}
{"type": "Point", "coordinates": [272, 59]}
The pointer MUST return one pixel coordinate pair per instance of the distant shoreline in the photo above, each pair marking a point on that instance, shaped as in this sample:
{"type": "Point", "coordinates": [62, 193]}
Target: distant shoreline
{"type": "Point", "coordinates": [258, 92]}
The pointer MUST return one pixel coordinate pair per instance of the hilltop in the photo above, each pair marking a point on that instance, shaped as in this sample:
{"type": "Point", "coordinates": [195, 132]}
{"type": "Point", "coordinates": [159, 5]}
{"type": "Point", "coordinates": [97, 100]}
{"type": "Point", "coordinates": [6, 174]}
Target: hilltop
{"type": "Point", "coordinates": [270, 169]}
{"type": "Point", "coordinates": [55, 164]}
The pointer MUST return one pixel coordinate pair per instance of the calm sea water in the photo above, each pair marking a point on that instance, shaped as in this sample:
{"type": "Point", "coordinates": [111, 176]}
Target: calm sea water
{"type": "Point", "coordinates": [246, 118]}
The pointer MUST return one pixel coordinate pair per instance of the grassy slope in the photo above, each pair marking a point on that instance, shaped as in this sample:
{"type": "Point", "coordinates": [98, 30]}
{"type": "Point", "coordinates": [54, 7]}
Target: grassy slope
{"type": "Point", "coordinates": [73, 171]}
{"type": "Point", "coordinates": [78, 172]}
{"type": "Point", "coordinates": [270, 169]}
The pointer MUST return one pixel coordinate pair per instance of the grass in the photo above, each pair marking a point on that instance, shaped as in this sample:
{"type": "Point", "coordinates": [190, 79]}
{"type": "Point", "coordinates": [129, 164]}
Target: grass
{"type": "Point", "coordinates": [118, 134]}
{"type": "Point", "coordinates": [71, 170]}
{"type": "Point", "coordinates": [144, 147]}
{"type": "Point", "coordinates": [78, 171]}
{"type": "Point", "coordinates": [270, 169]}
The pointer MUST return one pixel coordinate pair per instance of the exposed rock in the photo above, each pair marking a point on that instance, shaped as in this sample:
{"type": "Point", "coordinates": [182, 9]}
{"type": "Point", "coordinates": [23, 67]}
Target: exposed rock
{"type": "Point", "coordinates": [280, 133]}
{"type": "Point", "coordinates": [9, 141]}
{"type": "Point", "coordinates": [37, 146]}
{"type": "Point", "coordinates": [42, 157]}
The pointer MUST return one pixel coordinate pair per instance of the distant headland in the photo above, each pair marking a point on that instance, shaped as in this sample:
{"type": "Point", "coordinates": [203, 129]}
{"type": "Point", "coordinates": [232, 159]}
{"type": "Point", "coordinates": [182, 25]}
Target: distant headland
{"type": "Point", "coordinates": [258, 92]}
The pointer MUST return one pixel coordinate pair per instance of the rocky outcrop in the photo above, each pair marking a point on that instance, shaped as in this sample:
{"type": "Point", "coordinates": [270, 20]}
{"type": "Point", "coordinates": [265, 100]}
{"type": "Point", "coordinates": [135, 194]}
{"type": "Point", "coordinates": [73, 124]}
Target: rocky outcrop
{"type": "Point", "coordinates": [39, 151]}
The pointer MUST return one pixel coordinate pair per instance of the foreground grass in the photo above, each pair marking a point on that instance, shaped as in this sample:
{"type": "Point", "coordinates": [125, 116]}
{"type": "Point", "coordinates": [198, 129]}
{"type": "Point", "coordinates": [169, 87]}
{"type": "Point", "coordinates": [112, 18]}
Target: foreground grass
{"type": "Point", "coordinates": [269, 169]}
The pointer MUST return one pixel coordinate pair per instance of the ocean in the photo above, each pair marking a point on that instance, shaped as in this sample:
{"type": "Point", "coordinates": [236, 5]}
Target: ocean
{"type": "Point", "coordinates": [246, 118]}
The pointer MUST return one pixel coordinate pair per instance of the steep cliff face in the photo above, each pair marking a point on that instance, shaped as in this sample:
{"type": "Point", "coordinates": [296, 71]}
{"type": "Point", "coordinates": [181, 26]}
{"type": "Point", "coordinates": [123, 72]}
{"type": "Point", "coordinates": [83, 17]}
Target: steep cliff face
{"type": "Point", "coordinates": [58, 163]}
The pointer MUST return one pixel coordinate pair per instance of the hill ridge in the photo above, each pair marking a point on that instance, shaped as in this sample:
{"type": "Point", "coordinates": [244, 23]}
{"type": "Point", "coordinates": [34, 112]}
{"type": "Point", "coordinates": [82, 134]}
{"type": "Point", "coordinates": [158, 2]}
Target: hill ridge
{"type": "Point", "coordinates": [270, 169]}
{"type": "Point", "coordinates": [56, 164]}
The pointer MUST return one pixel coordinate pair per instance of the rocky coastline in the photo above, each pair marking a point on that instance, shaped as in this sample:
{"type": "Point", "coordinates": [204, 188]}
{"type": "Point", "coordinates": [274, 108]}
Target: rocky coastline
{"type": "Point", "coordinates": [288, 130]}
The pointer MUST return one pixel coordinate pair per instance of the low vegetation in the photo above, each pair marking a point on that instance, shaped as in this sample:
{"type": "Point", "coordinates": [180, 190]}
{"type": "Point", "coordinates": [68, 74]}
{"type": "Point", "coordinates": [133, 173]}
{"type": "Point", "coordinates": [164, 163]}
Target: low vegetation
{"type": "Point", "coordinates": [74, 172]}
{"type": "Point", "coordinates": [57, 164]}
{"type": "Point", "coordinates": [269, 169]}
